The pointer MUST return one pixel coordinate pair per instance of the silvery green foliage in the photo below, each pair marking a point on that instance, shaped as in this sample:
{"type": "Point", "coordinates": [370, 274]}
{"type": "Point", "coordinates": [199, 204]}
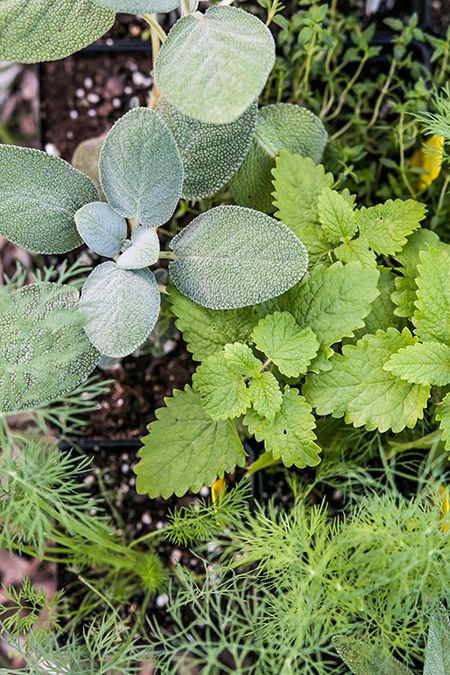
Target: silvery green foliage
{"type": "Point", "coordinates": [211, 153]}
{"type": "Point", "coordinates": [46, 30]}
{"type": "Point", "coordinates": [214, 65]}
{"type": "Point", "coordinates": [39, 196]}
{"type": "Point", "coordinates": [141, 172]}
{"type": "Point", "coordinates": [142, 251]}
{"type": "Point", "coordinates": [140, 6]}
{"type": "Point", "coordinates": [231, 256]}
{"type": "Point", "coordinates": [281, 126]}
{"type": "Point", "coordinates": [121, 308]}
{"type": "Point", "coordinates": [44, 352]}
{"type": "Point", "coordinates": [101, 228]}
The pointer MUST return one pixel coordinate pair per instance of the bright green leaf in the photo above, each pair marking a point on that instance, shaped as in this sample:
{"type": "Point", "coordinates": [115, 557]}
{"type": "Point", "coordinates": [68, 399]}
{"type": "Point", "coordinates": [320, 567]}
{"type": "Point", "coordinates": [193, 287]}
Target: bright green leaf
{"type": "Point", "coordinates": [336, 216]}
{"type": "Point", "coordinates": [231, 256]}
{"type": "Point", "coordinates": [121, 308]}
{"type": "Point", "coordinates": [214, 65]}
{"type": "Point", "coordinates": [359, 388]}
{"type": "Point", "coordinates": [143, 251]}
{"type": "Point", "coordinates": [422, 363]}
{"type": "Point", "coordinates": [356, 250]}
{"type": "Point", "coordinates": [443, 417]}
{"type": "Point", "coordinates": [186, 449]}
{"type": "Point", "coordinates": [290, 436]}
{"type": "Point", "coordinates": [432, 315]}
{"type": "Point", "coordinates": [101, 228]}
{"type": "Point", "coordinates": [386, 226]}
{"type": "Point", "coordinates": [39, 196]}
{"type": "Point", "coordinates": [266, 395]}
{"type": "Point", "coordinates": [140, 168]}
{"type": "Point", "coordinates": [282, 340]}
{"type": "Point", "coordinates": [381, 315]}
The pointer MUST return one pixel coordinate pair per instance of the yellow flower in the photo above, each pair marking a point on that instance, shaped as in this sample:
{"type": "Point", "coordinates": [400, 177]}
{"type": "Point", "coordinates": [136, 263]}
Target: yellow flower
{"type": "Point", "coordinates": [218, 489]}
{"type": "Point", "coordinates": [445, 508]}
{"type": "Point", "coordinates": [429, 159]}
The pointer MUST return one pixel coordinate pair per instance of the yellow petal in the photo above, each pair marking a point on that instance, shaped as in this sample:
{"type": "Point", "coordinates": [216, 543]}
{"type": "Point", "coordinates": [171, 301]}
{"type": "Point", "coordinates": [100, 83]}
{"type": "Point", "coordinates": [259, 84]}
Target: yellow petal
{"type": "Point", "coordinates": [218, 489]}
{"type": "Point", "coordinates": [445, 508]}
{"type": "Point", "coordinates": [429, 159]}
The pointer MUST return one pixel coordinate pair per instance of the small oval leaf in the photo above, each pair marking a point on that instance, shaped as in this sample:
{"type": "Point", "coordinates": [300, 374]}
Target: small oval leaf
{"type": "Point", "coordinates": [39, 196]}
{"type": "Point", "coordinates": [141, 172]}
{"type": "Point", "coordinates": [231, 256]}
{"type": "Point", "coordinates": [144, 250]}
{"type": "Point", "coordinates": [211, 153]}
{"type": "Point", "coordinates": [140, 6]}
{"type": "Point", "coordinates": [214, 65]}
{"type": "Point", "coordinates": [101, 228]}
{"type": "Point", "coordinates": [121, 308]}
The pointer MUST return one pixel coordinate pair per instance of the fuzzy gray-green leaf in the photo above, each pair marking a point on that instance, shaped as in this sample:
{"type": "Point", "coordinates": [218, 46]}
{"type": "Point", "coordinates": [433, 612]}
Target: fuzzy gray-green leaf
{"type": "Point", "coordinates": [211, 153]}
{"type": "Point", "coordinates": [101, 228]}
{"type": "Point", "coordinates": [140, 168]}
{"type": "Point", "coordinates": [39, 196]}
{"type": "Point", "coordinates": [214, 65]}
{"type": "Point", "coordinates": [140, 6]}
{"type": "Point", "coordinates": [121, 308]}
{"type": "Point", "coordinates": [231, 256]}
{"type": "Point", "coordinates": [44, 351]}
{"type": "Point", "coordinates": [46, 30]}
{"type": "Point", "coordinates": [143, 252]}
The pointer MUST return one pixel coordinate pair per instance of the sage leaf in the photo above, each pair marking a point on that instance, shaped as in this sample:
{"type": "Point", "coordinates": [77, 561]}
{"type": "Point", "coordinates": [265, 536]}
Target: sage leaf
{"type": "Point", "coordinates": [231, 256]}
{"type": "Point", "coordinates": [121, 308]}
{"type": "Point", "coordinates": [101, 228]}
{"type": "Point", "coordinates": [140, 168]}
{"type": "Point", "coordinates": [39, 197]}
{"type": "Point", "coordinates": [140, 6]}
{"type": "Point", "coordinates": [144, 250]}
{"type": "Point", "coordinates": [214, 65]}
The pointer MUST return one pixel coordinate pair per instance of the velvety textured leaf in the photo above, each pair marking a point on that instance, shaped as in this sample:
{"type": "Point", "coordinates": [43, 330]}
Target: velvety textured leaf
{"type": "Point", "coordinates": [422, 363]}
{"type": "Point", "coordinates": [214, 65]}
{"type": "Point", "coordinates": [39, 196]}
{"type": "Point", "coordinates": [221, 381]}
{"type": "Point", "coordinates": [280, 126]}
{"type": "Point", "coordinates": [140, 6]}
{"type": "Point", "coordinates": [336, 216]}
{"type": "Point", "coordinates": [431, 317]}
{"type": "Point", "coordinates": [266, 395]}
{"type": "Point", "coordinates": [443, 417]}
{"type": "Point", "coordinates": [46, 30]}
{"type": "Point", "coordinates": [386, 226]}
{"type": "Point", "coordinates": [186, 449]}
{"type": "Point", "coordinates": [437, 649]}
{"type": "Point", "coordinates": [144, 250]}
{"type": "Point", "coordinates": [121, 308]}
{"type": "Point", "coordinates": [101, 228]}
{"type": "Point", "coordinates": [206, 331]}
{"type": "Point", "coordinates": [211, 153]}
{"type": "Point", "coordinates": [333, 301]}
{"type": "Point", "coordinates": [140, 168]}
{"type": "Point", "coordinates": [282, 340]}
{"type": "Point", "coordinates": [290, 436]}
{"type": "Point", "coordinates": [231, 256]}
{"type": "Point", "coordinates": [44, 351]}
{"type": "Point", "coordinates": [360, 389]}
{"type": "Point", "coordinates": [364, 659]}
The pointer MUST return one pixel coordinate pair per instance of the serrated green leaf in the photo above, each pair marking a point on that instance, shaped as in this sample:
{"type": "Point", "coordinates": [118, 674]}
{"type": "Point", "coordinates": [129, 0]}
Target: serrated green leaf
{"type": "Point", "coordinates": [214, 65]}
{"type": "Point", "coordinates": [141, 172]}
{"type": "Point", "coordinates": [206, 331]}
{"type": "Point", "coordinates": [143, 251]}
{"type": "Point", "coordinates": [443, 417]}
{"type": "Point", "coordinates": [282, 340]}
{"type": "Point", "coordinates": [381, 315]}
{"type": "Point", "coordinates": [211, 153]}
{"type": "Point", "coordinates": [280, 126]}
{"type": "Point", "coordinates": [101, 228]}
{"type": "Point", "coordinates": [360, 389]}
{"type": "Point", "coordinates": [386, 226]}
{"type": "Point", "coordinates": [333, 301]}
{"type": "Point", "coordinates": [46, 30]}
{"type": "Point", "coordinates": [363, 658]}
{"type": "Point", "coordinates": [39, 196]}
{"type": "Point", "coordinates": [140, 6]}
{"type": "Point", "coordinates": [356, 250]}
{"type": "Point", "coordinates": [336, 216]}
{"type": "Point", "coordinates": [422, 363]}
{"type": "Point", "coordinates": [437, 649]}
{"type": "Point", "coordinates": [221, 381]}
{"type": "Point", "coordinates": [121, 308]}
{"type": "Point", "coordinates": [186, 449]}
{"type": "Point", "coordinates": [266, 395]}
{"type": "Point", "coordinates": [231, 257]}
{"type": "Point", "coordinates": [432, 315]}
{"type": "Point", "coordinates": [290, 436]}
{"type": "Point", "coordinates": [44, 352]}
{"type": "Point", "coordinates": [298, 183]}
